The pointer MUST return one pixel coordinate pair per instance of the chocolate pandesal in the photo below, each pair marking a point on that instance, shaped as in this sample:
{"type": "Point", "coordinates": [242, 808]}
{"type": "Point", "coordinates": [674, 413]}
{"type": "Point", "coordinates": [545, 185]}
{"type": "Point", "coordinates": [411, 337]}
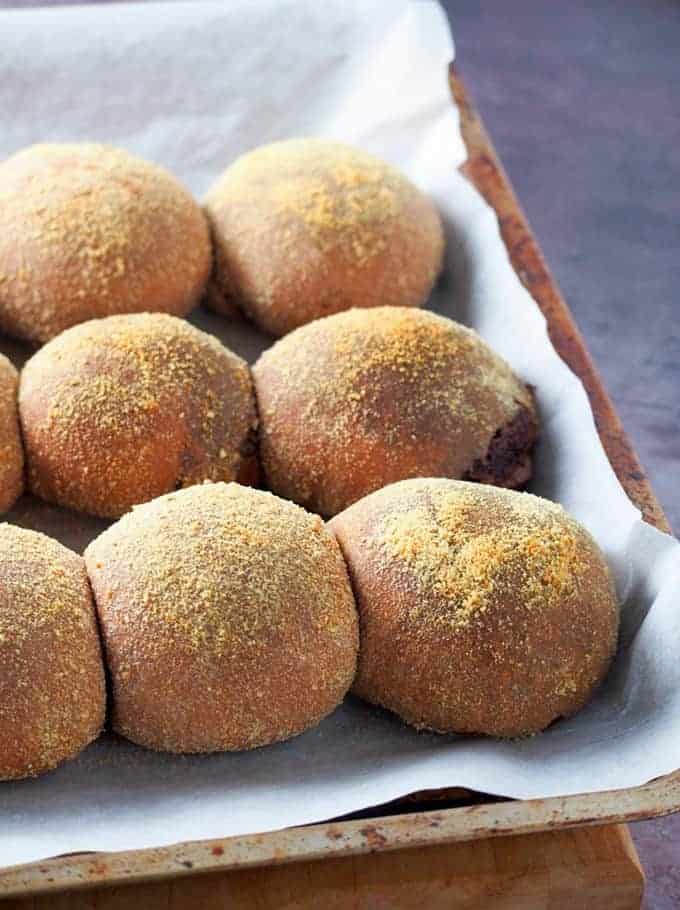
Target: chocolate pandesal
{"type": "Point", "coordinates": [307, 227]}
{"type": "Point", "coordinates": [227, 618]}
{"type": "Point", "coordinates": [120, 410]}
{"type": "Point", "coordinates": [52, 692]}
{"type": "Point", "coordinates": [353, 402]}
{"type": "Point", "coordinates": [11, 448]}
{"type": "Point", "coordinates": [482, 610]}
{"type": "Point", "coordinates": [86, 231]}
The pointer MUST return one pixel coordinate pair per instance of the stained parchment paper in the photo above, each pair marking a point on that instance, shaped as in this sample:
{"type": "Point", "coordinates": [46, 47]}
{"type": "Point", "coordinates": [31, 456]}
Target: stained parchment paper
{"type": "Point", "coordinates": [192, 85]}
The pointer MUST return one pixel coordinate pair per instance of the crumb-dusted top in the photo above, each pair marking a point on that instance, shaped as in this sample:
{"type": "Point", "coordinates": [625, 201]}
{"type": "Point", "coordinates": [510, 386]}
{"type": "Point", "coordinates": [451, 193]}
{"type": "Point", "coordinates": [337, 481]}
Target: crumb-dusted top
{"type": "Point", "coordinates": [325, 215]}
{"type": "Point", "coordinates": [472, 546]}
{"type": "Point", "coordinates": [11, 449]}
{"type": "Point", "coordinates": [483, 609]}
{"type": "Point", "coordinates": [342, 195]}
{"type": "Point", "coordinates": [89, 230]}
{"type": "Point", "coordinates": [234, 602]}
{"type": "Point", "coordinates": [43, 583]}
{"type": "Point", "coordinates": [367, 397]}
{"type": "Point", "coordinates": [118, 410]}
{"type": "Point", "coordinates": [52, 679]}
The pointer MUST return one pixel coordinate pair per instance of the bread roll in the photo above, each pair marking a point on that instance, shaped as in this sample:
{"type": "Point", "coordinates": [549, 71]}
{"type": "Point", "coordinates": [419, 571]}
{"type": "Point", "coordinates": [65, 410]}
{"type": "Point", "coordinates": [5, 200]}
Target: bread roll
{"type": "Point", "coordinates": [52, 693]}
{"type": "Point", "coordinates": [307, 227]}
{"type": "Point", "coordinates": [351, 403]}
{"type": "Point", "coordinates": [11, 448]}
{"type": "Point", "coordinates": [227, 617]}
{"type": "Point", "coordinates": [482, 610]}
{"type": "Point", "coordinates": [87, 231]}
{"type": "Point", "coordinates": [117, 411]}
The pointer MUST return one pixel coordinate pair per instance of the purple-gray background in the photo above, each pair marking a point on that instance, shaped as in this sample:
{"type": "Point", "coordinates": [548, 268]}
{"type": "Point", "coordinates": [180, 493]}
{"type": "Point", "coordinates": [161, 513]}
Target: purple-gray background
{"type": "Point", "coordinates": [582, 100]}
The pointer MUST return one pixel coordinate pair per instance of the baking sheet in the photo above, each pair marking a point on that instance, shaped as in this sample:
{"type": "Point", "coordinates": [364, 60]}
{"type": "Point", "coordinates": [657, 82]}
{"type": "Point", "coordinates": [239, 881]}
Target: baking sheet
{"type": "Point", "coordinates": [191, 85]}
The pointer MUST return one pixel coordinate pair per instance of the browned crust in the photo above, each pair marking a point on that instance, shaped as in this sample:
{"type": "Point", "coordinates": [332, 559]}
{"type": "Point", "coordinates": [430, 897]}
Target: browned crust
{"type": "Point", "coordinates": [117, 411]}
{"type": "Point", "coordinates": [482, 610]}
{"type": "Point", "coordinates": [88, 231]}
{"type": "Point", "coordinates": [52, 693]}
{"type": "Point", "coordinates": [306, 228]}
{"type": "Point", "coordinates": [11, 448]}
{"type": "Point", "coordinates": [351, 403]}
{"type": "Point", "coordinates": [227, 617]}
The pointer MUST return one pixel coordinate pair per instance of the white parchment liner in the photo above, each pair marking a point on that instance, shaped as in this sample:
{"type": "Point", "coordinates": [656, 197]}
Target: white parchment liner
{"type": "Point", "coordinates": [191, 86]}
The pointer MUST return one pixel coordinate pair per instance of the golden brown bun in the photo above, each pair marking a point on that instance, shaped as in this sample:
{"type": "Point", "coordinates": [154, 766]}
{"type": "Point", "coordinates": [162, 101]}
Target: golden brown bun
{"type": "Point", "coordinates": [86, 231]}
{"type": "Point", "coordinates": [117, 411]}
{"type": "Point", "coordinates": [11, 449]}
{"type": "Point", "coordinates": [482, 610]}
{"type": "Point", "coordinates": [52, 693]}
{"type": "Point", "coordinates": [227, 617]}
{"type": "Point", "coordinates": [351, 403]}
{"type": "Point", "coordinates": [306, 228]}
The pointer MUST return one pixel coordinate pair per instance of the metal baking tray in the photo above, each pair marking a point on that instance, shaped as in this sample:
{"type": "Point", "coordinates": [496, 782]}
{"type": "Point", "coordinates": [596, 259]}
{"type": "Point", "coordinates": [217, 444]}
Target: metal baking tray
{"type": "Point", "coordinates": [433, 817]}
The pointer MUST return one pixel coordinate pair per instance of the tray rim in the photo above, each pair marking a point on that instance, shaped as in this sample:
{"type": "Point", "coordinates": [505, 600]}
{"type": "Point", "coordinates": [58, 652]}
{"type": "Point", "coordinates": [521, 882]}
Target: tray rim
{"type": "Point", "coordinates": [437, 826]}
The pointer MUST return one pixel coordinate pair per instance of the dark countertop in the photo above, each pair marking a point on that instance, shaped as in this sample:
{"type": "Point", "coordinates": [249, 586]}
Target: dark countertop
{"type": "Point", "coordinates": [582, 102]}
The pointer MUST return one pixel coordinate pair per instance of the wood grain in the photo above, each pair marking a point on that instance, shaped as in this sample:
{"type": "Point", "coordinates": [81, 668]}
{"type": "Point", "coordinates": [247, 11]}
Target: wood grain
{"type": "Point", "coordinates": [592, 868]}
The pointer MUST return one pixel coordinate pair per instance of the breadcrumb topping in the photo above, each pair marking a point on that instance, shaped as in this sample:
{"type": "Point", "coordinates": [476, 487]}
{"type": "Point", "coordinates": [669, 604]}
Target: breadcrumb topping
{"type": "Point", "coordinates": [306, 227]}
{"type": "Point", "coordinates": [483, 610]}
{"type": "Point", "coordinates": [473, 546]}
{"type": "Point", "coordinates": [52, 680]}
{"type": "Point", "coordinates": [87, 230]}
{"type": "Point", "coordinates": [119, 410]}
{"type": "Point", "coordinates": [230, 612]}
{"type": "Point", "coordinates": [364, 398]}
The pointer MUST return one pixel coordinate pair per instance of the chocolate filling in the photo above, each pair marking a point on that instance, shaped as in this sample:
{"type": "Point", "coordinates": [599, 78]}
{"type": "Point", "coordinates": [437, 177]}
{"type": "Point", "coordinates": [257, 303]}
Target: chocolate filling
{"type": "Point", "coordinates": [507, 462]}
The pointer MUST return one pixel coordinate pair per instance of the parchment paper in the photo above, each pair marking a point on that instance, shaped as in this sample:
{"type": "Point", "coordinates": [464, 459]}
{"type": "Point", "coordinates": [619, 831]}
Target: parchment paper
{"type": "Point", "coordinates": [191, 85]}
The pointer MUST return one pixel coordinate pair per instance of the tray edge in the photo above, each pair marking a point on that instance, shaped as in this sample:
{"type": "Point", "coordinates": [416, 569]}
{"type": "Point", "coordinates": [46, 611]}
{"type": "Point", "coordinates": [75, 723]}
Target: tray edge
{"type": "Point", "coordinates": [659, 797]}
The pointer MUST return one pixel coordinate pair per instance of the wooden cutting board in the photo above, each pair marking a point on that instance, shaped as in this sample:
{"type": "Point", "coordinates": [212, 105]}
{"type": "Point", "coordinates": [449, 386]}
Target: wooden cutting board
{"type": "Point", "coordinates": [593, 868]}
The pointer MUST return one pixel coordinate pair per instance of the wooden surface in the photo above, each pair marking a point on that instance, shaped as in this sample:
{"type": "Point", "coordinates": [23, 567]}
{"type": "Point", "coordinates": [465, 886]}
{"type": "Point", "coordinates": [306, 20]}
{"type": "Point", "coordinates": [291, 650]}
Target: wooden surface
{"type": "Point", "coordinates": [594, 868]}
